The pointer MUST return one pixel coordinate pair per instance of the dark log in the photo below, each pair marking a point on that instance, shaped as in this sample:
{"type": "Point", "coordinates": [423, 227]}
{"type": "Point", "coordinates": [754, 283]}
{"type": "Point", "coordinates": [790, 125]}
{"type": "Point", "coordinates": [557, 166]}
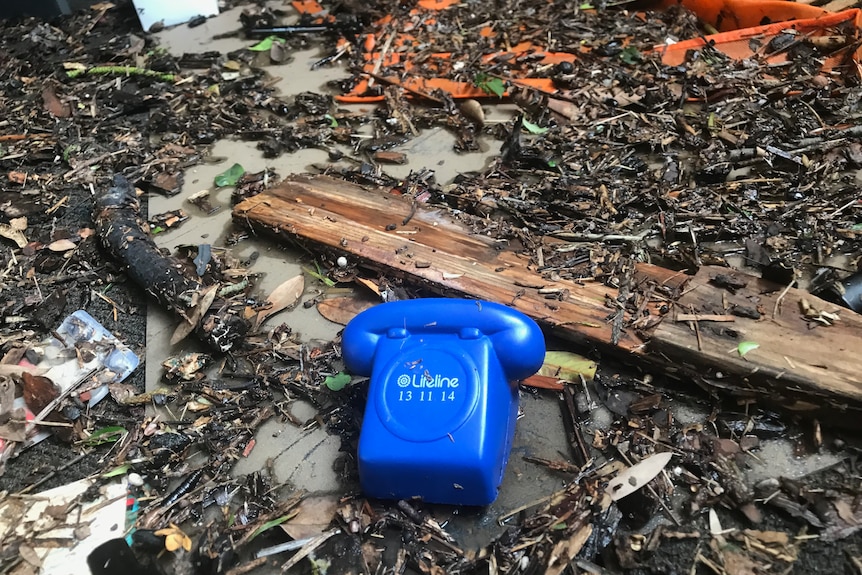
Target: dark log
{"type": "Point", "coordinates": [124, 233]}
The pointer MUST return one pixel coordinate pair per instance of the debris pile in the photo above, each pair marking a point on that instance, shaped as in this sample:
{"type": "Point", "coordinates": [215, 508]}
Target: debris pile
{"type": "Point", "coordinates": [642, 157]}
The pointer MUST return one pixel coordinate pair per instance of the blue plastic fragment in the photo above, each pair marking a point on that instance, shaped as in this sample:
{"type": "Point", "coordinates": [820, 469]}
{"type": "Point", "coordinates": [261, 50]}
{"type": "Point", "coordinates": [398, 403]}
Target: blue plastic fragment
{"type": "Point", "coordinates": [442, 401]}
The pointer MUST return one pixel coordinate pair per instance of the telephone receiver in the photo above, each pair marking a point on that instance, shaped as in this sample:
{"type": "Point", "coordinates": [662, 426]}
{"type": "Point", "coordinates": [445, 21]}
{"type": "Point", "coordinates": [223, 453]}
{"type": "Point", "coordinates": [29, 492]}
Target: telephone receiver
{"type": "Point", "coordinates": [442, 405]}
{"type": "Point", "coordinates": [515, 338]}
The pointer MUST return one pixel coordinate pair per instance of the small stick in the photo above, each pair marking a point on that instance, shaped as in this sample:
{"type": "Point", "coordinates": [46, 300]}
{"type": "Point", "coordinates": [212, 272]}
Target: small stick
{"type": "Point", "coordinates": [246, 567]}
{"type": "Point", "coordinates": [704, 317]}
{"type": "Point", "coordinates": [51, 474]}
{"type": "Point", "coordinates": [308, 549]}
{"type": "Point", "coordinates": [780, 297]}
{"type": "Point", "coordinates": [696, 330]}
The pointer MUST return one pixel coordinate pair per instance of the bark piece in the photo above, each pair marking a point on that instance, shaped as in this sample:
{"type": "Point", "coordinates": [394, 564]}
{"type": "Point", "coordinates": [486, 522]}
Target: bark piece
{"type": "Point", "coordinates": [123, 232]}
{"type": "Point", "coordinates": [798, 361]}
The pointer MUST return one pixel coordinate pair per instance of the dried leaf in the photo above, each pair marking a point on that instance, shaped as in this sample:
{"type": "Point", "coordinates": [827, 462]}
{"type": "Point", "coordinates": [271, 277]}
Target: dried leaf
{"type": "Point", "coordinates": [175, 538]}
{"type": "Point", "coordinates": [372, 285]}
{"type": "Point", "coordinates": [52, 103]}
{"type": "Point", "coordinates": [278, 53]}
{"type": "Point", "coordinates": [7, 395]}
{"type": "Point", "coordinates": [567, 366]}
{"type": "Point", "coordinates": [313, 516]}
{"type": "Point", "coordinates": [544, 382]}
{"type": "Point", "coordinates": [769, 537]}
{"type": "Point", "coordinates": [14, 231]}
{"type": "Point", "coordinates": [17, 177]}
{"type": "Point", "coordinates": [341, 310]}
{"type": "Point", "coordinates": [62, 245]}
{"type": "Point", "coordinates": [207, 297]}
{"type": "Point", "coordinates": [715, 528]}
{"type": "Point", "coordinates": [565, 551]}
{"type": "Point", "coordinates": [168, 181]}
{"type": "Point", "coordinates": [39, 391]}
{"type": "Point", "coordinates": [631, 479]}
{"type": "Point", "coordinates": [473, 110]}
{"type": "Point", "coordinates": [845, 511]}
{"type": "Point", "coordinates": [282, 297]}
{"type": "Point", "coordinates": [28, 554]}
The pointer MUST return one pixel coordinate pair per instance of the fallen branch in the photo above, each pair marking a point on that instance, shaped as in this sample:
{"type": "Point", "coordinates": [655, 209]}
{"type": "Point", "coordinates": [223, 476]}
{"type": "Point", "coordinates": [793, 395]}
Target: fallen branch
{"type": "Point", "coordinates": [704, 317]}
{"type": "Point", "coordinates": [121, 70]}
{"type": "Point", "coordinates": [219, 322]}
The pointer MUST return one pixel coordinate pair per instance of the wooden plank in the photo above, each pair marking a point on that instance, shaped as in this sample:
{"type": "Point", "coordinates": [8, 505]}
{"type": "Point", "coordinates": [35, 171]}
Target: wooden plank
{"type": "Point", "coordinates": [799, 361]}
{"type": "Point", "coordinates": [428, 247]}
{"type": "Point", "coordinates": [432, 249]}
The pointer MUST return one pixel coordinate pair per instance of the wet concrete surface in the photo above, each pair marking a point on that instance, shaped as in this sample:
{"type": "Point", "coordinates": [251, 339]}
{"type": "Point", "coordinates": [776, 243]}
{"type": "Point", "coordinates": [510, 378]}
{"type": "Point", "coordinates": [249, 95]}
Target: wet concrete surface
{"type": "Point", "coordinates": [304, 458]}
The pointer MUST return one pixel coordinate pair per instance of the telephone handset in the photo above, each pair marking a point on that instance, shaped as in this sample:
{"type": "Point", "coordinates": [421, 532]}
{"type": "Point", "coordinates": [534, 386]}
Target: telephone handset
{"type": "Point", "coordinates": [441, 409]}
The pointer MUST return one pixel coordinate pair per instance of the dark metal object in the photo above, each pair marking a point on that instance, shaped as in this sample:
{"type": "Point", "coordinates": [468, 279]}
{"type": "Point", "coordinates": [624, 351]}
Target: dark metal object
{"type": "Point", "coordinates": [852, 295]}
{"type": "Point", "coordinates": [114, 557]}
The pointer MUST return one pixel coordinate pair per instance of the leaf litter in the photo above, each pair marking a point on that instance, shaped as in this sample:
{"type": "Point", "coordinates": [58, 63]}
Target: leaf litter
{"type": "Point", "coordinates": [679, 165]}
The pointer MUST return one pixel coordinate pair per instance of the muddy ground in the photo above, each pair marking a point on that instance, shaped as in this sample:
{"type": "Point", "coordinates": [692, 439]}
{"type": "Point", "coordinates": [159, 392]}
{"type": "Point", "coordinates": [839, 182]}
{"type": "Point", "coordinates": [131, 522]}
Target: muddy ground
{"type": "Point", "coordinates": [66, 282]}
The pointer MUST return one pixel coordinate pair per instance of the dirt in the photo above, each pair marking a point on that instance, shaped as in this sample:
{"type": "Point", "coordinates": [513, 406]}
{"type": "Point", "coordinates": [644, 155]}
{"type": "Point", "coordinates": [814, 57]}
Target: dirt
{"type": "Point", "coordinates": [152, 130]}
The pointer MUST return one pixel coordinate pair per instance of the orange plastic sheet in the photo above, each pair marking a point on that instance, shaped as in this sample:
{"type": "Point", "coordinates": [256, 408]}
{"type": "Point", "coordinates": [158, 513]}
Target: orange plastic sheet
{"type": "Point", "coordinates": [727, 15]}
{"type": "Point", "coordinates": [390, 48]}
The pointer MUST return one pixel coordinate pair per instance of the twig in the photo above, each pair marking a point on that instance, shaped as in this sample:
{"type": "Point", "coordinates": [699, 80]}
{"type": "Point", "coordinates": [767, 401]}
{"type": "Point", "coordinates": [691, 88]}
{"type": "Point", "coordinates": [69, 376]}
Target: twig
{"type": "Point", "coordinates": [696, 329]}
{"type": "Point", "coordinates": [704, 317]}
{"type": "Point", "coordinates": [308, 549]}
{"type": "Point", "coordinates": [92, 161]}
{"type": "Point", "coordinates": [51, 474]}
{"type": "Point", "coordinates": [383, 52]}
{"type": "Point", "coordinates": [246, 567]}
{"type": "Point", "coordinates": [635, 238]}
{"type": "Point", "coordinates": [502, 518]}
{"type": "Point", "coordinates": [780, 297]}
{"type": "Point", "coordinates": [57, 400]}
{"type": "Point", "coordinates": [123, 70]}
{"type": "Point", "coordinates": [842, 208]}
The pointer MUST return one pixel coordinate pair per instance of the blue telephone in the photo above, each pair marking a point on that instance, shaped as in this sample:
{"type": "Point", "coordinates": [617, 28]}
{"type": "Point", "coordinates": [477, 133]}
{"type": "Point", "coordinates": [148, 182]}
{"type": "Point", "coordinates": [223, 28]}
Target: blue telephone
{"type": "Point", "coordinates": [442, 404]}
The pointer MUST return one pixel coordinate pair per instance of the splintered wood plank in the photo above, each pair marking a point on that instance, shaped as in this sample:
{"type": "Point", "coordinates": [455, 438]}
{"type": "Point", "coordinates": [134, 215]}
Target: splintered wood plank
{"type": "Point", "coordinates": [799, 361]}
{"type": "Point", "coordinates": [426, 246]}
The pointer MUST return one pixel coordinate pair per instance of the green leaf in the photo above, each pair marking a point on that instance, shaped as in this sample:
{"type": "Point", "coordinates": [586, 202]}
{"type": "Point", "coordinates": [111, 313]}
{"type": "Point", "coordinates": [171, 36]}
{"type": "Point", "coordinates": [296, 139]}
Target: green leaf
{"type": "Point", "coordinates": [337, 382]}
{"type": "Point", "coordinates": [319, 276]}
{"type": "Point", "coordinates": [856, 227]}
{"type": "Point", "coordinates": [333, 123]}
{"type": "Point", "coordinates": [746, 346]}
{"type": "Point", "coordinates": [630, 55]}
{"type": "Point", "coordinates": [567, 366]}
{"type": "Point", "coordinates": [121, 470]}
{"type": "Point", "coordinates": [490, 85]}
{"type": "Point", "coordinates": [105, 435]}
{"type": "Point", "coordinates": [230, 176]}
{"type": "Point", "coordinates": [70, 149]}
{"type": "Point", "coordinates": [271, 524]}
{"type": "Point", "coordinates": [532, 128]}
{"type": "Point", "coordinates": [266, 44]}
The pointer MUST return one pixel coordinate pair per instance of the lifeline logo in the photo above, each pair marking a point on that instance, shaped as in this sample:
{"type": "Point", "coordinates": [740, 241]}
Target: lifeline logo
{"type": "Point", "coordinates": [426, 380]}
